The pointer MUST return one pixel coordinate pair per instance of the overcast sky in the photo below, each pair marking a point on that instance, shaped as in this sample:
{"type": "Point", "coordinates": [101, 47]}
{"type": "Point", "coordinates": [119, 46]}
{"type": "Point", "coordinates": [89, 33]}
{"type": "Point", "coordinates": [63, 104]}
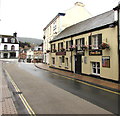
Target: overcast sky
{"type": "Point", "coordinates": [29, 17]}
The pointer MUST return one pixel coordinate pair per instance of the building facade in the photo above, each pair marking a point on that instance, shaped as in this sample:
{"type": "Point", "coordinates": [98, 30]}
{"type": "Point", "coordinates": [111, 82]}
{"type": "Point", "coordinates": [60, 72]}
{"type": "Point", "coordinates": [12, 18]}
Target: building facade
{"type": "Point", "coordinates": [62, 20]}
{"type": "Point", "coordinates": [9, 47]}
{"type": "Point", "coordinates": [89, 47]}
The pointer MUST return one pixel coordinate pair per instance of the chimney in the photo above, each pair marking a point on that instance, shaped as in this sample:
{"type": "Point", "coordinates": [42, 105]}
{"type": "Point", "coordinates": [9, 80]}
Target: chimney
{"type": "Point", "coordinates": [15, 34]}
{"type": "Point", "coordinates": [79, 4]}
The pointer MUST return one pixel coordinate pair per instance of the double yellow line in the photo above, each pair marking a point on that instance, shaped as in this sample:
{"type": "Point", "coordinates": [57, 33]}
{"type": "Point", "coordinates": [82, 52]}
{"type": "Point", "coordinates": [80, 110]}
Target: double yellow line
{"type": "Point", "coordinates": [24, 101]}
{"type": "Point", "coordinates": [85, 83]}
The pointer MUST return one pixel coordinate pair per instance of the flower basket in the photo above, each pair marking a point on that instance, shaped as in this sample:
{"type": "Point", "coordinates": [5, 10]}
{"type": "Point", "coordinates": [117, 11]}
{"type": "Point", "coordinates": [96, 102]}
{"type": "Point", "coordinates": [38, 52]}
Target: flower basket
{"type": "Point", "coordinates": [54, 50]}
{"type": "Point", "coordinates": [47, 51]}
{"type": "Point", "coordinates": [62, 49]}
{"type": "Point", "coordinates": [104, 46]}
{"type": "Point", "coordinates": [71, 48]}
{"type": "Point", "coordinates": [84, 47]}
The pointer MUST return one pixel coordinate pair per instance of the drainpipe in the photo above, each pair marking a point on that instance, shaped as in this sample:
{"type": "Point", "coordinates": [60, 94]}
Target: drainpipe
{"type": "Point", "coordinates": [71, 55]}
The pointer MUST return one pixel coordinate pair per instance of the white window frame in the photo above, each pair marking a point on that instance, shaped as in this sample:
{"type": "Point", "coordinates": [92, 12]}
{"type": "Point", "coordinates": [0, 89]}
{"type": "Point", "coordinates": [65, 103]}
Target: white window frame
{"type": "Point", "coordinates": [95, 65]}
{"type": "Point", "coordinates": [95, 42]}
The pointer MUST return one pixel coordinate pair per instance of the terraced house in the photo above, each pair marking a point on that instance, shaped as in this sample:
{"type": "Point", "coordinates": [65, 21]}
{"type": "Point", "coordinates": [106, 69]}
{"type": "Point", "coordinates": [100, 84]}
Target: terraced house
{"type": "Point", "coordinates": [89, 47]}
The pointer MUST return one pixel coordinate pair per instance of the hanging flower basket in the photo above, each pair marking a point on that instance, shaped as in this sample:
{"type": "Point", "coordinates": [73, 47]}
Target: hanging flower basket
{"type": "Point", "coordinates": [62, 50]}
{"type": "Point", "coordinates": [104, 46]}
{"type": "Point", "coordinates": [71, 48]}
{"type": "Point", "coordinates": [84, 47]}
{"type": "Point", "coordinates": [47, 51]}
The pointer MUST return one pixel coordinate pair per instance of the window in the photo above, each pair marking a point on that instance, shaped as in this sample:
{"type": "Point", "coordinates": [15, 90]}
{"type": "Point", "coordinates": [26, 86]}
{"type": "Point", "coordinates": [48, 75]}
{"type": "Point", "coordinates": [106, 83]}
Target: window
{"type": "Point", "coordinates": [5, 47]}
{"type": "Point", "coordinates": [53, 48]}
{"type": "Point", "coordinates": [79, 43]}
{"type": "Point", "coordinates": [95, 41]}
{"type": "Point", "coordinates": [54, 26]}
{"type": "Point", "coordinates": [60, 46]}
{"type": "Point", "coordinates": [96, 68]}
{"type": "Point", "coordinates": [12, 40]}
{"type": "Point", "coordinates": [53, 60]}
{"type": "Point", "coordinates": [66, 62]}
{"type": "Point", "coordinates": [69, 44]}
{"type": "Point", "coordinates": [12, 47]}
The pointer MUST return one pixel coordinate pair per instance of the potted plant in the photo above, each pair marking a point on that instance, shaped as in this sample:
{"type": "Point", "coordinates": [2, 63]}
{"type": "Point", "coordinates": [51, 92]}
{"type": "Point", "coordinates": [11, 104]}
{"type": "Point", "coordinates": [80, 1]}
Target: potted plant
{"type": "Point", "coordinates": [84, 47]}
{"type": "Point", "coordinates": [104, 46]}
{"type": "Point", "coordinates": [71, 48]}
{"type": "Point", "coordinates": [62, 49]}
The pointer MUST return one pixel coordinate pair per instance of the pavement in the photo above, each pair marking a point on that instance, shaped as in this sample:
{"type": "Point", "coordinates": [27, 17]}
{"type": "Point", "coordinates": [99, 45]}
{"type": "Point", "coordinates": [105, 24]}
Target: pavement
{"type": "Point", "coordinates": [6, 97]}
{"type": "Point", "coordinates": [92, 80]}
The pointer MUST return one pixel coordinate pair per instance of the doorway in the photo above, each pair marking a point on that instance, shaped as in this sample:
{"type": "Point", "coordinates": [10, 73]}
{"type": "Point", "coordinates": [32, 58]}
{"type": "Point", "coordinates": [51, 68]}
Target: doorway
{"type": "Point", "coordinates": [78, 64]}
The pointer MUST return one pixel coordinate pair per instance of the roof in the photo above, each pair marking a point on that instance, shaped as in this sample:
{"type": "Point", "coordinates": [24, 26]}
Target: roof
{"type": "Point", "coordinates": [30, 40]}
{"type": "Point", "coordinates": [59, 14]}
{"type": "Point", "coordinates": [86, 25]}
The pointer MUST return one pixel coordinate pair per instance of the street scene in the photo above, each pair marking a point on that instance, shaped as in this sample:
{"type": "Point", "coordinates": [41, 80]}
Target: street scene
{"type": "Point", "coordinates": [60, 58]}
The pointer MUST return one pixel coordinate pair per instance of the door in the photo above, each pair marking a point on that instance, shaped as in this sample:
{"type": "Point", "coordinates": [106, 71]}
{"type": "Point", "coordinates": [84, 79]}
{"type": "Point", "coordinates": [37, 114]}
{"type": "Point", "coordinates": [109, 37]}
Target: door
{"type": "Point", "coordinates": [78, 64]}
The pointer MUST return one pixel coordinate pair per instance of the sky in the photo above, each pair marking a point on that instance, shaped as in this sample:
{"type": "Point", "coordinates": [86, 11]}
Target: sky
{"type": "Point", "coordinates": [29, 17]}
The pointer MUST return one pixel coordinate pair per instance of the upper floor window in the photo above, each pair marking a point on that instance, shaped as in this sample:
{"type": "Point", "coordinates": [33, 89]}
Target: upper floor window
{"type": "Point", "coordinates": [12, 40]}
{"type": "Point", "coordinates": [5, 47]}
{"type": "Point", "coordinates": [60, 47]}
{"type": "Point", "coordinates": [54, 26]}
{"type": "Point", "coordinates": [69, 44]}
{"type": "Point", "coordinates": [12, 47]}
{"type": "Point", "coordinates": [95, 41]}
{"type": "Point", "coordinates": [5, 39]}
{"type": "Point", "coordinates": [79, 43]}
{"type": "Point", "coordinates": [2, 40]}
{"type": "Point", "coordinates": [53, 48]}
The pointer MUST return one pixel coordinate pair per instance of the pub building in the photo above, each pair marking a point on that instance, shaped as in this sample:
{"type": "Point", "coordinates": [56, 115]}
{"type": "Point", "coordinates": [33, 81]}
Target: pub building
{"type": "Point", "coordinates": [89, 47]}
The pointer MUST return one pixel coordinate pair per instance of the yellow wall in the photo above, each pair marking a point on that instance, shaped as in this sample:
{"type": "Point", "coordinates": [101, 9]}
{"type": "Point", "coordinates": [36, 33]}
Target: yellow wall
{"type": "Point", "coordinates": [109, 35]}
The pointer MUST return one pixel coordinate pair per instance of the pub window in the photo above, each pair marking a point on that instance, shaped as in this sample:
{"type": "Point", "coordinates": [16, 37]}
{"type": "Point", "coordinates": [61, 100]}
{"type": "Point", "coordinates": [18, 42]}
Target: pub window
{"type": "Point", "coordinates": [60, 46]}
{"type": "Point", "coordinates": [96, 68]}
{"type": "Point", "coordinates": [53, 48]}
{"type": "Point", "coordinates": [66, 45]}
{"type": "Point", "coordinates": [95, 41]}
{"type": "Point", "coordinates": [79, 43]}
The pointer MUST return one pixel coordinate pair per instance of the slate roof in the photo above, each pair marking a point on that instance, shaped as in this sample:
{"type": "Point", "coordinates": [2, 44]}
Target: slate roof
{"type": "Point", "coordinates": [87, 25]}
{"type": "Point", "coordinates": [30, 40]}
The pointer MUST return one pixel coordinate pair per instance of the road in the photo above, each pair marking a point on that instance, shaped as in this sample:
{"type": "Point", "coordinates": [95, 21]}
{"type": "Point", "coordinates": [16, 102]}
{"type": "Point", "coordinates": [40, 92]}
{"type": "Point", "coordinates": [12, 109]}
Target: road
{"type": "Point", "coordinates": [50, 93]}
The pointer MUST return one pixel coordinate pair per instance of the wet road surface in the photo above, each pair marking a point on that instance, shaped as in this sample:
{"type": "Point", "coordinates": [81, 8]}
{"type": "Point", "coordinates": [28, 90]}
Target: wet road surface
{"type": "Point", "coordinates": [101, 98]}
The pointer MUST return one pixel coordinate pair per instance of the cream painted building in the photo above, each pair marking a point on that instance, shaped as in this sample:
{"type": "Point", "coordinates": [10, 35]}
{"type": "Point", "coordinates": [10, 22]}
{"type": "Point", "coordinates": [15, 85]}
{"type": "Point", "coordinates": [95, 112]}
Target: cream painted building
{"type": "Point", "coordinates": [89, 47]}
{"type": "Point", "coordinates": [61, 21]}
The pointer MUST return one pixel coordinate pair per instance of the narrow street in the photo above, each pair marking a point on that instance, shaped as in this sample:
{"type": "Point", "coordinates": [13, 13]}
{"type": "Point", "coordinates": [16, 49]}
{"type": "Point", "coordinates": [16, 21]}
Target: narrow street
{"type": "Point", "coordinates": [50, 93]}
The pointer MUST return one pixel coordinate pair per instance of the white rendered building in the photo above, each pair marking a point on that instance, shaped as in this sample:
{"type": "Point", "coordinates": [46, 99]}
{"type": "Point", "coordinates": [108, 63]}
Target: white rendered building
{"type": "Point", "coordinates": [9, 47]}
{"type": "Point", "coordinates": [61, 21]}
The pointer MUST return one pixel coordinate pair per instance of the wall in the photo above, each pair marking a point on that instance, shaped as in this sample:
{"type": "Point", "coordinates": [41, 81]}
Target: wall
{"type": "Point", "coordinates": [109, 35]}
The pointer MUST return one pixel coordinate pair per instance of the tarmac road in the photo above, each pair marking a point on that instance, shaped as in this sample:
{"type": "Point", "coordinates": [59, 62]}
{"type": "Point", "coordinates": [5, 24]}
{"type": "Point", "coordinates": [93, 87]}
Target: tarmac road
{"type": "Point", "coordinates": [48, 93]}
